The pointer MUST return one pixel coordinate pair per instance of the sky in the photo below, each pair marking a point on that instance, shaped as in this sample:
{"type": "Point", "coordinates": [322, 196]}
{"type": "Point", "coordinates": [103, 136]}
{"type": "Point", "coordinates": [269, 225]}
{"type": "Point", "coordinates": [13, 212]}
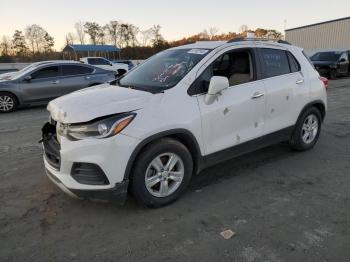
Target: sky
{"type": "Point", "coordinates": [178, 18]}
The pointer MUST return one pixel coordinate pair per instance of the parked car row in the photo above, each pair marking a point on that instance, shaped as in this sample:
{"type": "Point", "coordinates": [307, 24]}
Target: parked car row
{"type": "Point", "coordinates": [41, 82]}
{"type": "Point", "coordinates": [332, 64]}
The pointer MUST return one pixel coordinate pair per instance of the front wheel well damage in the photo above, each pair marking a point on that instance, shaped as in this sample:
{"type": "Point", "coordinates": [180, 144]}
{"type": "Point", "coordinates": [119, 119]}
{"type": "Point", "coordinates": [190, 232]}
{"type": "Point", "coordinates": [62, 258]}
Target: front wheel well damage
{"type": "Point", "coordinates": [186, 138]}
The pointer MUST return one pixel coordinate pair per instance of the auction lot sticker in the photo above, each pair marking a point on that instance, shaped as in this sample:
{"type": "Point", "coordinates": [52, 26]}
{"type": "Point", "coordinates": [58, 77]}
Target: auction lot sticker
{"type": "Point", "coordinates": [198, 51]}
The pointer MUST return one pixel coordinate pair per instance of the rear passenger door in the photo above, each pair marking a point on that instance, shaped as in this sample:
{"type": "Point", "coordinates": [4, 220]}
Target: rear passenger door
{"type": "Point", "coordinates": [281, 75]}
{"type": "Point", "coordinates": [75, 77]}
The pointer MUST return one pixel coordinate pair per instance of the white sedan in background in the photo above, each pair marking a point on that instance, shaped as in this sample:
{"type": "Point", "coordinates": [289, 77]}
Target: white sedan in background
{"type": "Point", "coordinates": [104, 63]}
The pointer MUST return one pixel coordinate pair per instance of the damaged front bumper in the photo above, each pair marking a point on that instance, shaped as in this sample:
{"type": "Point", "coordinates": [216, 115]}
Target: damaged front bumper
{"type": "Point", "coordinates": [116, 194]}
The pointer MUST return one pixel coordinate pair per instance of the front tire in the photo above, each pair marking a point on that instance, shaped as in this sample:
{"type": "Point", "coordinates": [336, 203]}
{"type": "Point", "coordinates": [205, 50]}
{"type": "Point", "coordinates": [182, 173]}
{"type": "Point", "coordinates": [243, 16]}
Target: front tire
{"type": "Point", "coordinates": [162, 172]}
{"type": "Point", "coordinates": [8, 102]}
{"type": "Point", "coordinates": [307, 130]}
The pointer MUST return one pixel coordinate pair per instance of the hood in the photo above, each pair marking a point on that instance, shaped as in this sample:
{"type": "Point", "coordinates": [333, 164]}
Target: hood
{"type": "Point", "coordinates": [97, 101]}
{"type": "Point", "coordinates": [323, 63]}
{"type": "Point", "coordinates": [7, 76]}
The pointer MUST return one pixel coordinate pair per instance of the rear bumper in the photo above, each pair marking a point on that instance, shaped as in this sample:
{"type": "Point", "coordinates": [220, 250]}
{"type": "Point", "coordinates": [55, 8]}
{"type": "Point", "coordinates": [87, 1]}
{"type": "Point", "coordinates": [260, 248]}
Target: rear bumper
{"type": "Point", "coordinates": [116, 194]}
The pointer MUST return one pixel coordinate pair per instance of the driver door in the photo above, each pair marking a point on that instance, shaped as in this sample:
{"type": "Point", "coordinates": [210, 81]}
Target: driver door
{"type": "Point", "coordinates": [44, 85]}
{"type": "Point", "coordinates": [237, 115]}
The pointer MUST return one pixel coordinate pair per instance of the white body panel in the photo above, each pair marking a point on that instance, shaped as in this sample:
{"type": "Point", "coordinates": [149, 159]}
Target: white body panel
{"type": "Point", "coordinates": [232, 119]}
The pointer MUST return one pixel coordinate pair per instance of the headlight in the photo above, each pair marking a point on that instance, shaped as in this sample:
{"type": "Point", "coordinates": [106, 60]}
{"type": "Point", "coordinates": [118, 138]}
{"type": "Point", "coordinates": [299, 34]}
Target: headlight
{"type": "Point", "coordinates": [99, 128]}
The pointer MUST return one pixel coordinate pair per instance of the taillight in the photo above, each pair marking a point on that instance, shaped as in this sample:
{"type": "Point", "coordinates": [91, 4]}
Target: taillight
{"type": "Point", "coordinates": [324, 80]}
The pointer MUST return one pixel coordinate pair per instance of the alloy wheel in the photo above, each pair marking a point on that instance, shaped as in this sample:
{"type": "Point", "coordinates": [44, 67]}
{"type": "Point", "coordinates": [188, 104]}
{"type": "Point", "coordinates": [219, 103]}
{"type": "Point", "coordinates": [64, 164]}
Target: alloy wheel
{"type": "Point", "coordinates": [310, 129]}
{"type": "Point", "coordinates": [6, 103]}
{"type": "Point", "coordinates": [164, 175]}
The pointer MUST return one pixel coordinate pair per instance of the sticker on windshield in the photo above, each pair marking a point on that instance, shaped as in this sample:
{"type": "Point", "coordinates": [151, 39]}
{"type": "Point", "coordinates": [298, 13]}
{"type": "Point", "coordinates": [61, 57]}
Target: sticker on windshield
{"type": "Point", "coordinates": [198, 51]}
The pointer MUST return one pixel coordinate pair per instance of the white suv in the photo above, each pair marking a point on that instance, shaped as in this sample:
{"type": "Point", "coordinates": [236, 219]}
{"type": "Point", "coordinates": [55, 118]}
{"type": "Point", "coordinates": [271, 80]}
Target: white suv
{"type": "Point", "coordinates": [182, 110]}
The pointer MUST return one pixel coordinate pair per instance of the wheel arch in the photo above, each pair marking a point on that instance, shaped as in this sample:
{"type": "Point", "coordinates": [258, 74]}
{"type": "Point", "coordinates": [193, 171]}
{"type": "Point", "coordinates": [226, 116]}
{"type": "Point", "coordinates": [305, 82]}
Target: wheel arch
{"type": "Point", "coordinates": [319, 104]}
{"type": "Point", "coordinates": [182, 135]}
{"type": "Point", "coordinates": [12, 93]}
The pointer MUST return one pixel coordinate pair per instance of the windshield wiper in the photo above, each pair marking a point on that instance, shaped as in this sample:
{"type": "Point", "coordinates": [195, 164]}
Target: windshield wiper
{"type": "Point", "coordinates": [140, 88]}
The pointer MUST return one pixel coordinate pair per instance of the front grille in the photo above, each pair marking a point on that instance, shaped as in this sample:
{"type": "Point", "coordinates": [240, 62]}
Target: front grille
{"type": "Point", "coordinates": [89, 174]}
{"type": "Point", "coordinates": [51, 146]}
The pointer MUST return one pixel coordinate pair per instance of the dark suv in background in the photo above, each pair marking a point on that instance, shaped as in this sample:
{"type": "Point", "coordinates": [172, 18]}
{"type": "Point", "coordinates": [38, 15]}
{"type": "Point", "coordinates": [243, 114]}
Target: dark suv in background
{"type": "Point", "coordinates": [332, 63]}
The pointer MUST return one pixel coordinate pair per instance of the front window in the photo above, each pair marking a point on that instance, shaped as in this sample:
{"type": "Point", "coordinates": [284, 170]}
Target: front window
{"type": "Point", "coordinates": [326, 56]}
{"type": "Point", "coordinates": [163, 70]}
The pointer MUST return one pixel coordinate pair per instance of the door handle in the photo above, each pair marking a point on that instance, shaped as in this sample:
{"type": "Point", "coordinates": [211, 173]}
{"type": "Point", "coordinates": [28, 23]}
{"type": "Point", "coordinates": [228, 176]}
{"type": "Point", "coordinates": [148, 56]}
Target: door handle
{"type": "Point", "coordinates": [257, 95]}
{"type": "Point", "coordinates": [299, 81]}
{"type": "Point", "coordinates": [55, 82]}
{"type": "Point", "coordinates": [87, 77]}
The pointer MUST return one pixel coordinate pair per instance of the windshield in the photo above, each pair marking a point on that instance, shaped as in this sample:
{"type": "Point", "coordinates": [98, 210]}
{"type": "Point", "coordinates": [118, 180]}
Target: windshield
{"type": "Point", "coordinates": [164, 70]}
{"type": "Point", "coordinates": [326, 56]}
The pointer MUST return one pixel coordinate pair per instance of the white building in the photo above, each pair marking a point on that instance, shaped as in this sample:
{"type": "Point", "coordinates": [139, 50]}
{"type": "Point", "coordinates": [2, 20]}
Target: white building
{"type": "Point", "coordinates": [334, 34]}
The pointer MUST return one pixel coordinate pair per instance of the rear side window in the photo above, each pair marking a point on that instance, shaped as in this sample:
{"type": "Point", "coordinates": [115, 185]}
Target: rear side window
{"type": "Point", "coordinates": [98, 61]}
{"type": "Point", "coordinates": [69, 70]}
{"type": "Point", "coordinates": [274, 62]}
{"type": "Point", "coordinates": [47, 72]}
{"type": "Point", "coordinates": [294, 64]}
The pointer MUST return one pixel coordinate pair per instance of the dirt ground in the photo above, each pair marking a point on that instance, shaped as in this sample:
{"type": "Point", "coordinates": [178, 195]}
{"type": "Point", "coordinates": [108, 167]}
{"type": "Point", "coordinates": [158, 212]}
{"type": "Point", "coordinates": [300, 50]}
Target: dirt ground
{"type": "Point", "coordinates": [282, 205]}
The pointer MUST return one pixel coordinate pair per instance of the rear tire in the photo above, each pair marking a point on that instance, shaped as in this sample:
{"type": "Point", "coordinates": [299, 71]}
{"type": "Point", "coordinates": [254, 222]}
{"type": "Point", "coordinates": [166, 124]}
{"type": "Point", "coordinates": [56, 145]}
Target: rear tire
{"type": "Point", "coordinates": [162, 172]}
{"type": "Point", "coordinates": [307, 130]}
{"type": "Point", "coordinates": [8, 102]}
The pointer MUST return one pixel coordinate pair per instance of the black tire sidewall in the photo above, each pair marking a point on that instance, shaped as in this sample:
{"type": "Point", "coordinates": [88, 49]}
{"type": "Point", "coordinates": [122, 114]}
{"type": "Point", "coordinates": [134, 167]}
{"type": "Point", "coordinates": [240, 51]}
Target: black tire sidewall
{"type": "Point", "coordinates": [297, 140]}
{"type": "Point", "coordinates": [137, 180]}
{"type": "Point", "coordinates": [333, 74]}
{"type": "Point", "coordinates": [15, 102]}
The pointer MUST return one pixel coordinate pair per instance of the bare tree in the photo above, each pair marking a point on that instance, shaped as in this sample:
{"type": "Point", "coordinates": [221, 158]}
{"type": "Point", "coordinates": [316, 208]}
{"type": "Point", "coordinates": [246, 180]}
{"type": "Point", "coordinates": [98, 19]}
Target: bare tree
{"type": "Point", "coordinates": [203, 35]}
{"type": "Point", "coordinates": [5, 46]}
{"type": "Point", "coordinates": [128, 35]}
{"type": "Point", "coordinates": [243, 29]}
{"type": "Point", "coordinates": [274, 34]}
{"type": "Point", "coordinates": [112, 29]}
{"type": "Point", "coordinates": [19, 43]}
{"type": "Point", "coordinates": [146, 36]}
{"type": "Point", "coordinates": [213, 31]}
{"type": "Point", "coordinates": [93, 30]}
{"type": "Point", "coordinates": [157, 38]}
{"type": "Point", "coordinates": [38, 38]}
{"type": "Point", "coordinates": [102, 35]}
{"type": "Point", "coordinates": [80, 31]}
{"type": "Point", "coordinates": [49, 43]}
{"type": "Point", "coordinates": [70, 39]}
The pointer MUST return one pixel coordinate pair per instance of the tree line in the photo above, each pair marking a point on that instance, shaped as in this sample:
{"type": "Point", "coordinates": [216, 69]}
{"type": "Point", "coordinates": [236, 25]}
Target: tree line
{"type": "Point", "coordinates": [34, 43]}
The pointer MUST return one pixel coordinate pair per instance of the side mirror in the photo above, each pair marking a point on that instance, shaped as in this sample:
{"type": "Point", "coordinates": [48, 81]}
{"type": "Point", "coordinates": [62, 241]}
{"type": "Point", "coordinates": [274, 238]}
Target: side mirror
{"type": "Point", "coordinates": [216, 85]}
{"type": "Point", "coordinates": [342, 60]}
{"type": "Point", "coordinates": [110, 63]}
{"type": "Point", "coordinates": [28, 78]}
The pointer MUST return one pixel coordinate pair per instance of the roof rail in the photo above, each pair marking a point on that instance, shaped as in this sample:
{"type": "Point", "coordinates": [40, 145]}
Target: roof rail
{"type": "Point", "coordinates": [258, 39]}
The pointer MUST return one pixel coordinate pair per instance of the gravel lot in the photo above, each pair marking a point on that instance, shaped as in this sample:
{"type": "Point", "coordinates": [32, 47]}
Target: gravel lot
{"type": "Point", "coordinates": [282, 205]}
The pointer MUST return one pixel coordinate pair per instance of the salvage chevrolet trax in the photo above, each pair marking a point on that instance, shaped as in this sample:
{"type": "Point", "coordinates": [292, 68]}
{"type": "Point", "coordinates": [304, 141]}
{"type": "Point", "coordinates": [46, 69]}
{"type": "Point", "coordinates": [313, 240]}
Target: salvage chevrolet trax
{"type": "Point", "coordinates": [180, 111]}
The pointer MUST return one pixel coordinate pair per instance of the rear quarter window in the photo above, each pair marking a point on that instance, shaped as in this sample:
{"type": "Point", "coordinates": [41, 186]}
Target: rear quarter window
{"type": "Point", "coordinates": [274, 62]}
{"type": "Point", "coordinates": [68, 70]}
{"type": "Point", "coordinates": [293, 63]}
